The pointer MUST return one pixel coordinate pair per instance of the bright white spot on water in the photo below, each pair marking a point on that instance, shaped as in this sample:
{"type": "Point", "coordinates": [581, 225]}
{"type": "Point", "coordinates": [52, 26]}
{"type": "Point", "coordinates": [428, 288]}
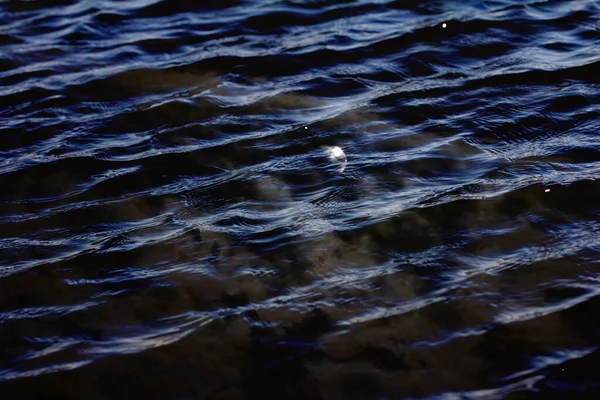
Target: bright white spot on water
{"type": "Point", "coordinates": [547, 190]}
{"type": "Point", "coordinates": [336, 155]}
{"type": "Point", "coordinates": [444, 25]}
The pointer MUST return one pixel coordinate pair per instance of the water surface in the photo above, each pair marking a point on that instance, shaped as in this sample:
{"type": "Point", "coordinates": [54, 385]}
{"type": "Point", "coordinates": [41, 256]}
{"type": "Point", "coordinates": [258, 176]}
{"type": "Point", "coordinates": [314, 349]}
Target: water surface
{"type": "Point", "coordinates": [171, 226]}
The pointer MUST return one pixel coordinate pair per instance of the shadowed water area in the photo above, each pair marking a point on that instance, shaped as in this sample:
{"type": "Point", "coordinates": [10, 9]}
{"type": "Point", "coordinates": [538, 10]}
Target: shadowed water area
{"type": "Point", "coordinates": [175, 222]}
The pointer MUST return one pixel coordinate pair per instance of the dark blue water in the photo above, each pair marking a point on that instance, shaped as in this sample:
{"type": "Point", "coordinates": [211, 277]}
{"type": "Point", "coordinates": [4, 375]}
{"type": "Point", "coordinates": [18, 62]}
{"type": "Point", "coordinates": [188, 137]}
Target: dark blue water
{"type": "Point", "coordinates": [174, 225]}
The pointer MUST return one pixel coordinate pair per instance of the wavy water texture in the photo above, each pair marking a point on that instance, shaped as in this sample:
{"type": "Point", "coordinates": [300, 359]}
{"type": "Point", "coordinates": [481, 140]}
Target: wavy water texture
{"type": "Point", "coordinates": [173, 226]}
